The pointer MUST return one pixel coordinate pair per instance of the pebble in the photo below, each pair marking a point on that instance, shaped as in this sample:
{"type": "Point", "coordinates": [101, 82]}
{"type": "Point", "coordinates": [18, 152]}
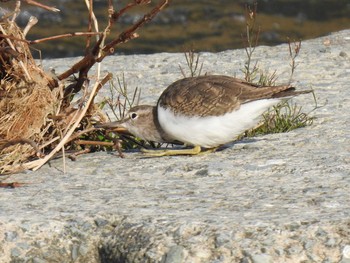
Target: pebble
{"type": "Point", "coordinates": [343, 54]}
{"type": "Point", "coordinates": [39, 260]}
{"type": "Point", "coordinates": [11, 236]}
{"type": "Point", "coordinates": [261, 258]}
{"type": "Point", "coordinates": [346, 252]}
{"type": "Point", "coordinates": [15, 252]}
{"type": "Point", "coordinates": [175, 255]}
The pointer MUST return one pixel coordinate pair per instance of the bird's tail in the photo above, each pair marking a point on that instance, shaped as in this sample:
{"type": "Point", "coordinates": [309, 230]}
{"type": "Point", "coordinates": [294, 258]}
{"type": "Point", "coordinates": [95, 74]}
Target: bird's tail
{"type": "Point", "coordinates": [290, 92]}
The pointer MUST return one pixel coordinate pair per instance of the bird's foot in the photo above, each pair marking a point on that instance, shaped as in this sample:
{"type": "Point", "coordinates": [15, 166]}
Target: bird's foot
{"type": "Point", "coordinates": [170, 152]}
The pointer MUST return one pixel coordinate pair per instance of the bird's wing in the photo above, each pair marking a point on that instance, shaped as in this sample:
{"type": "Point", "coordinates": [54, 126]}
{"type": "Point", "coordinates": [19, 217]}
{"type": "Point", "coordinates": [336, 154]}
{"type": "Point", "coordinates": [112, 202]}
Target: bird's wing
{"type": "Point", "coordinates": [214, 95]}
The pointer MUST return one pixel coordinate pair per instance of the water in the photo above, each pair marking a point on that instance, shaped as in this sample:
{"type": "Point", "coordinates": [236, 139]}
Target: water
{"type": "Point", "coordinates": [207, 25]}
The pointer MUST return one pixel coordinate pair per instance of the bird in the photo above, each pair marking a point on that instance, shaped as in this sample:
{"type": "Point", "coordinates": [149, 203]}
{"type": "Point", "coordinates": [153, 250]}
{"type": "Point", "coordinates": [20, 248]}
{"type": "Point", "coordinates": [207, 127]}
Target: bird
{"type": "Point", "coordinates": [204, 112]}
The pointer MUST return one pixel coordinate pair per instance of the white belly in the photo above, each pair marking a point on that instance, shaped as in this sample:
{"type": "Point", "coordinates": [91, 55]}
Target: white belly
{"type": "Point", "coordinates": [213, 131]}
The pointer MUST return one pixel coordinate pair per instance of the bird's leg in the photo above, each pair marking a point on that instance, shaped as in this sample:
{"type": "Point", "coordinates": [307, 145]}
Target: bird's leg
{"type": "Point", "coordinates": [209, 150]}
{"type": "Point", "coordinates": [169, 152]}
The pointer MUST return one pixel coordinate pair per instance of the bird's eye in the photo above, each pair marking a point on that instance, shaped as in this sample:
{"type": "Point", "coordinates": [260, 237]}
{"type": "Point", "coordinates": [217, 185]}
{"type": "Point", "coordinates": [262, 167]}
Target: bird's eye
{"type": "Point", "coordinates": [133, 115]}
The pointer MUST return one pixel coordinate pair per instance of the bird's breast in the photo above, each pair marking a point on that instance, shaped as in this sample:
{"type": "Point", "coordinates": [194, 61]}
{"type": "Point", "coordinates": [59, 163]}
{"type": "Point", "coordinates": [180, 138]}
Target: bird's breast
{"type": "Point", "coordinates": [212, 131]}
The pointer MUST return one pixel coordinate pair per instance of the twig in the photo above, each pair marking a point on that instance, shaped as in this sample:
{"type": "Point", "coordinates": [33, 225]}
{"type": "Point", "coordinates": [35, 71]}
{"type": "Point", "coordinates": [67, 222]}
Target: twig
{"type": "Point", "coordinates": [92, 18]}
{"type": "Point", "coordinates": [32, 21]}
{"type": "Point", "coordinates": [76, 34]}
{"type": "Point", "coordinates": [12, 185]}
{"type": "Point", "coordinates": [89, 4]}
{"type": "Point", "coordinates": [49, 142]}
{"type": "Point", "coordinates": [15, 13]}
{"type": "Point", "coordinates": [294, 50]}
{"type": "Point", "coordinates": [130, 32]}
{"type": "Point", "coordinates": [118, 147]}
{"type": "Point", "coordinates": [78, 134]}
{"type": "Point", "coordinates": [84, 65]}
{"type": "Point", "coordinates": [85, 142]}
{"type": "Point", "coordinates": [192, 60]}
{"type": "Point", "coordinates": [72, 129]}
{"type": "Point", "coordinates": [250, 42]}
{"type": "Point", "coordinates": [63, 153]}
{"type": "Point", "coordinates": [20, 62]}
{"type": "Point", "coordinates": [115, 16]}
{"type": "Point", "coordinates": [8, 143]}
{"type": "Point", "coordinates": [74, 156]}
{"type": "Point", "coordinates": [110, 75]}
{"type": "Point", "coordinates": [35, 3]}
{"type": "Point", "coordinates": [13, 38]}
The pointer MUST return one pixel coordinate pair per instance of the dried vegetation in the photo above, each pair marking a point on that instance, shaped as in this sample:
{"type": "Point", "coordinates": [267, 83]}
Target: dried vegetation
{"type": "Point", "coordinates": [41, 115]}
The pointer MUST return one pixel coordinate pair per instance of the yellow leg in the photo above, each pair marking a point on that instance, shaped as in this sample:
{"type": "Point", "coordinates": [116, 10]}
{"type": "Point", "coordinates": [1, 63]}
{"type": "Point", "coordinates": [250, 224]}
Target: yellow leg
{"type": "Point", "coordinates": [169, 152]}
{"type": "Point", "coordinates": [210, 150]}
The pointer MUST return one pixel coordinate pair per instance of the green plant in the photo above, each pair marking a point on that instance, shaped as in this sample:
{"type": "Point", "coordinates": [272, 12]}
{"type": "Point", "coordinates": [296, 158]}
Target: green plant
{"type": "Point", "coordinates": [285, 116]}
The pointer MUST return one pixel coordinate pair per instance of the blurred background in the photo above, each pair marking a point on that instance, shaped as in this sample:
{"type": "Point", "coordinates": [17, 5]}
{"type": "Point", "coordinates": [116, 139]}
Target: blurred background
{"type": "Point", "coordinates": [205, 25]}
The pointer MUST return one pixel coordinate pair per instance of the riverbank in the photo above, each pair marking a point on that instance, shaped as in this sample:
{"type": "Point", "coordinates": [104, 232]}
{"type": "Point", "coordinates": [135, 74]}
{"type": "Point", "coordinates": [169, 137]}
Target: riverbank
{"type": "Point", "coordinates": [274, 198]}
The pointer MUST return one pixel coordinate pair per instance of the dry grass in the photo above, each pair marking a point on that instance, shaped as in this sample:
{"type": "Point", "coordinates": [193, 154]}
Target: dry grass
{"type": "Point", "coordinates": [42, 114]}
{"type": "Point", "coordinates": [27, 98]}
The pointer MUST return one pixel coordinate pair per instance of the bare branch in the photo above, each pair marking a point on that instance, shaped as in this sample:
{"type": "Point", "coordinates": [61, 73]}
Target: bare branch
{"type": "Point", "coordinates": [89, 60]}
{"type": "Point", "coordinates": [76, 34]}
{"type": "Point", "coordinates": [130, 32]}
{"type": "Point", "coordinates": [35, 3]}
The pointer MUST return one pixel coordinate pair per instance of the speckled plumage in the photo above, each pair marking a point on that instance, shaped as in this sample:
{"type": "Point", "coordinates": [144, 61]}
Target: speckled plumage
{"type": "Point", "coordinates": [216, 95]}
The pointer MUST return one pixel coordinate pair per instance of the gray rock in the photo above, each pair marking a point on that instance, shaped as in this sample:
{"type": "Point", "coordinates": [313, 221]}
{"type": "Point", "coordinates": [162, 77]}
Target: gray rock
{"type": "Point", "coordinates": [273, 198]}
{"type": "Point", "coordinates": [174, 255]}
{"type": "Point", "coordinates": [11, 236]}
{"type": "Point", "coordinates": [39, 260]}
{"type": "Point", "coordinates": [15, 252]}
{"type": "Point", "coordinates": [74, 252]}
{"type": "Point", "coordinates": [343, 54]}
{"type": "Point", "coordinates": [261, 258]}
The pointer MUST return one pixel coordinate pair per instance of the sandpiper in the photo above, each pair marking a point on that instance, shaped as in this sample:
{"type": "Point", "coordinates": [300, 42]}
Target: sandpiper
{"type": "Point", "coordinates": [205, 111]}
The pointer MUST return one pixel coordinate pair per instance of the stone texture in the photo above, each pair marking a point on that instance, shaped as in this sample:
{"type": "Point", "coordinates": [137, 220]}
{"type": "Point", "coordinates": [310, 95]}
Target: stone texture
{"type": "Point", "coordinates": [273, 198]}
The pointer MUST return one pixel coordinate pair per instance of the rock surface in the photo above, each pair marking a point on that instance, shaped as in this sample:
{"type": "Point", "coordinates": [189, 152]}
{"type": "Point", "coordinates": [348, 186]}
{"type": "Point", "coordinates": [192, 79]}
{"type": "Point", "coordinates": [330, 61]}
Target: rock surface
{"type": "Point", "coordinates": [274, 198]}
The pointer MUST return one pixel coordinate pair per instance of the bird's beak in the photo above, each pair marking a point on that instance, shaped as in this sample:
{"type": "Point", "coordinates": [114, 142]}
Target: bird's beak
{"type": "Point", "coordinates": [120, 130]}
{"type": "Point", "coordinates": [114, 126]}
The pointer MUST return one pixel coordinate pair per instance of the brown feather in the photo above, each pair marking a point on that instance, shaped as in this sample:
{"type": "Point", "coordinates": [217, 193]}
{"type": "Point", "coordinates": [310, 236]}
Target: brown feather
{"type": "Point", "coordinates": [215, 95]}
